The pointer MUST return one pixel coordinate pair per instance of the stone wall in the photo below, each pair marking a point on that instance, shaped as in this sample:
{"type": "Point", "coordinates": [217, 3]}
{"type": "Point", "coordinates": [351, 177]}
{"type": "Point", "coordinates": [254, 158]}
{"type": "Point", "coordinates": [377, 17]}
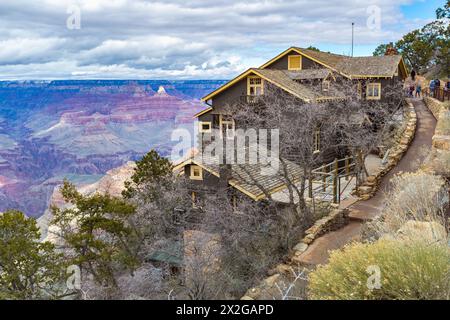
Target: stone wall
{"type": "Point", "coordinates": [434, 105]}
{"type": "Point", "coordinates": [368, 189]}
{"type": "Point", "coordinates": [439, 161]}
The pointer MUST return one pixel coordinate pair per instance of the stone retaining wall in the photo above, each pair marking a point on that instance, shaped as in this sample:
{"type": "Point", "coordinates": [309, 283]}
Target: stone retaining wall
{"type": "Point", "coordinates": [439, 162]}
{"type": "Point", "coordinates": [434, 105]}
{"type": "Point", "coordinates": [368, 189]}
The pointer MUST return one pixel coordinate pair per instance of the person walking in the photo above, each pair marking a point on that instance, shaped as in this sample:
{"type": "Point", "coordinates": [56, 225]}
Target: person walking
{"type": "Point", "coordinates": [432, 86]}
{"type": "Point", "coordinates": [419, 90]}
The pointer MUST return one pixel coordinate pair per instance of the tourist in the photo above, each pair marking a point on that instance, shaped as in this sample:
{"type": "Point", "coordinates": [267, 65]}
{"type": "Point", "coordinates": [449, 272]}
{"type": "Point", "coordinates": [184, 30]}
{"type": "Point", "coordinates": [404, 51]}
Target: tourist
{"type": "Point", "coordinates": [432, 86]}
{"type": "Point", "coordinates": [418, 90]}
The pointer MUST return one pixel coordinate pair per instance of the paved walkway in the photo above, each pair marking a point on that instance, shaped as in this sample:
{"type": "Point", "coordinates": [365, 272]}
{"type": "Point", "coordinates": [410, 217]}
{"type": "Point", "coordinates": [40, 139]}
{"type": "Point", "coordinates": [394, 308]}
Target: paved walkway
{"type": "Point", "coordinates": [317, 253]}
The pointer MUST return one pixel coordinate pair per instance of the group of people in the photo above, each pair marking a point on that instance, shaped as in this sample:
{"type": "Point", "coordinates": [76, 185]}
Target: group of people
{"type": "Point", "coordinates": [436, 83]}
{"type": "Point", "coordinates": [415, 87]}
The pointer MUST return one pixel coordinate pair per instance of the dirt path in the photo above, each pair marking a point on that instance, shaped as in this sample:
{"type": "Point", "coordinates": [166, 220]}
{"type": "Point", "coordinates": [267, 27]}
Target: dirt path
{"type": "Point", "coordinates": [317, 253]}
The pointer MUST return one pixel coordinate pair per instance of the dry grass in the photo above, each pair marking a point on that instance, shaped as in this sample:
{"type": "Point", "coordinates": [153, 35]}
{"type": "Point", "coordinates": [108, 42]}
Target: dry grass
{"type": "Point", "coordinates": [414, 197]}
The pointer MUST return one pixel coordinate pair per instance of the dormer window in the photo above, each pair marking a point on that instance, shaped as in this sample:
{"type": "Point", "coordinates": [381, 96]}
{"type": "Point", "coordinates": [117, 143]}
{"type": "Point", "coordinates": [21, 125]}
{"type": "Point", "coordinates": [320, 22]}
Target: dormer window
{"type": "Point", "coordinates": [295, 62]}
{"type": "Point", "coordinates": [196, 173]}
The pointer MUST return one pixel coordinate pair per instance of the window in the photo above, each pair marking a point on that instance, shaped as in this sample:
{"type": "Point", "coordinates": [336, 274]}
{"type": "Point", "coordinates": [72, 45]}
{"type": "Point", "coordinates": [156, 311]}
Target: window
{"type": "Point", "coordinates": [196, 173]}
{"type": "Point", "coordinates": [204, 127]}
{"type": "Point", "coordinates": [255, 86]}
{"type": "Point", "coordinates": [234, 202]}
{"type": "Point", "coordinates": [194, 200]}
{"type": "Point", "coordinates": [316, 142]}
{"type": "Point", "coordinates": [227, 126]}
{"type": "Point", "coordinates": [295, 62]}
{"type": "Point", "coordinates": [325, 85]}
{"type": "Point", "coordinates": [373, 91]}
{"type": "Point", "coordinates": [359, 89]}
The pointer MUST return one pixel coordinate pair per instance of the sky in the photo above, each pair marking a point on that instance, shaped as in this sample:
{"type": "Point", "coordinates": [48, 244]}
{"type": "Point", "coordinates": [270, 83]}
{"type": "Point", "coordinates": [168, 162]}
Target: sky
{"type": "Point", "coordinates": [187, 39]}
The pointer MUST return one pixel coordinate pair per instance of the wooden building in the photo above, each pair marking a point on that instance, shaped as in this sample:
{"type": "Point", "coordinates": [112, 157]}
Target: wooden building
{"type": "Point", "coordinates": [309, 75]}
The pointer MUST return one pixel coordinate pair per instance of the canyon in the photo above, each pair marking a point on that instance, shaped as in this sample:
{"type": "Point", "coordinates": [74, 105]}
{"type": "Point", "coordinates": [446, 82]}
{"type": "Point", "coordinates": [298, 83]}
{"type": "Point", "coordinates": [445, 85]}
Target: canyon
{"type": "Point", "coordinates": [79, 130]}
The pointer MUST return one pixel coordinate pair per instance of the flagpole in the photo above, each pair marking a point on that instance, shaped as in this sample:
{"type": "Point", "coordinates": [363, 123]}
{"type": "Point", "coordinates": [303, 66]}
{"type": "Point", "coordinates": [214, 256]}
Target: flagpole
{"type": "Point", "coordinates": [353, 36]}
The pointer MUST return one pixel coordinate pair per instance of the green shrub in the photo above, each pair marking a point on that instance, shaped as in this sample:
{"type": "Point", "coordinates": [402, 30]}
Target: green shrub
{"type": "Point", "coordinates": [411, 270]}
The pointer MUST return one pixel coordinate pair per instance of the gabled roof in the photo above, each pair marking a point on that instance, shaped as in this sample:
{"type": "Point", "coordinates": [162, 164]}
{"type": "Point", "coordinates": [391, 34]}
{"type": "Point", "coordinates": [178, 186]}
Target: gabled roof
{"type": "Point", "coordinates": [328, 60]}
{"type": "Point", "coordinates": [269, 76]}
{"type": "Point", "coordinates": [248, 178]}
{"type": "Point", "coordinates": [361, 67]}
{"type": "Point", "coordinates": [350, 67]}
{"type": "Point", "coordinates": [280, 78]}
{"type": "Point", "coordinates": [309, 74]}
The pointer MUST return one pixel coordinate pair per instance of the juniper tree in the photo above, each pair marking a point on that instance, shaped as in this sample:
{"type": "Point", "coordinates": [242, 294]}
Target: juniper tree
{"type": "Point", "coordinates": [29, 269]}
{"type": "Point", "coordinates": [96, 234]}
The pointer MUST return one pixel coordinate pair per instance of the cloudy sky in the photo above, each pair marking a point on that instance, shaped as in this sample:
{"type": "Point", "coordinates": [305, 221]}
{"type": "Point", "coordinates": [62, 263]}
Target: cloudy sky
{"type": "Point", "coordinates": [186, 39]}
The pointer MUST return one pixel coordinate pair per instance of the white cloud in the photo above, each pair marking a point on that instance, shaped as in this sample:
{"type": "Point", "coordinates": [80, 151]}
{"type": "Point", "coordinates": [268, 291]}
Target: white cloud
{"type": "Point", "coordinates": [177, 38]}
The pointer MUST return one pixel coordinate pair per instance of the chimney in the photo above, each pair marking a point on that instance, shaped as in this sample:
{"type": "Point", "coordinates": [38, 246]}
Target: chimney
{"type": "Point", "coordinates": [390, 50]}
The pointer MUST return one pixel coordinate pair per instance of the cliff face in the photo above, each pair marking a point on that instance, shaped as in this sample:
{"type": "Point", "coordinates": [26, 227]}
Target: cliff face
{"type": "Point", "coordinates": [82, 129]}
{"type": "Point", "coordinates": [112, 182]}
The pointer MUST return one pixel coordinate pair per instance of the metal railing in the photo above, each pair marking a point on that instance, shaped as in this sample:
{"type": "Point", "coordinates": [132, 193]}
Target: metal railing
{"type": "Point", "coordinates": [326, 181]}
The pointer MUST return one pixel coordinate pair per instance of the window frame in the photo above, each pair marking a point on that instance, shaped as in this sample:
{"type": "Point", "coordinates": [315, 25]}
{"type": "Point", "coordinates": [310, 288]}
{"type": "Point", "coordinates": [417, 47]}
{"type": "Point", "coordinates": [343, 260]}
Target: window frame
{"type": "Point", "coordinates": [290, 68]}
{"type": "Point", "coordinates": [326, 85]}
{"type": "Point", "coordinates": [372, 85]}
{"type": "Point", "coordinates": [223, 122]}
{"type": "Point", "coordinates": [316, 141]}
{"type": "Point", "coordinates": [192, 175]}
{"type": "Point", "coordinates": [200, 126]}
{"type": "Point", "coordinates": [250, 85]}
{"type": "Point", "coordinates": [359, 89]}
{"type": "Point", "coordinates": [194, 199]}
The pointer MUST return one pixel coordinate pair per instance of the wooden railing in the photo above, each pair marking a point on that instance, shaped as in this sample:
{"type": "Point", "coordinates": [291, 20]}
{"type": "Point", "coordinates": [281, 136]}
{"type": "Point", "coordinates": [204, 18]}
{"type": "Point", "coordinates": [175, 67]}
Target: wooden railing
{"type": "Point", "coordinates": [251, 99]}
{"type": "Point", "coordinates": [329, 176]}
{"type": "Point", "coordinates": [439, 93]}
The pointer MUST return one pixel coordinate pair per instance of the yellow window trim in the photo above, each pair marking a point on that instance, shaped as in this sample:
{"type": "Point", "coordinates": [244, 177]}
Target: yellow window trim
{"type": "Point", "coordinates": [249, 78]}
{"type": "Point", "coordinates": [224, 122]}
{"type": "Point", "coordinates": [200, 126]}
{"type": "Point", "coordinates": [359, 89]}
{"type": "Point", "coordinates": [194, 200]}
{"type": "Point", "coordinates": [192, 173]}
{"type": "Point", "coordinates": [326, 85]}
{"type": "Point", "coordinates": [297, 66]}
{"type": "Point", "coordinates": [373, 84]}
{"type": "Point", "coordinates": [316, 142]}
